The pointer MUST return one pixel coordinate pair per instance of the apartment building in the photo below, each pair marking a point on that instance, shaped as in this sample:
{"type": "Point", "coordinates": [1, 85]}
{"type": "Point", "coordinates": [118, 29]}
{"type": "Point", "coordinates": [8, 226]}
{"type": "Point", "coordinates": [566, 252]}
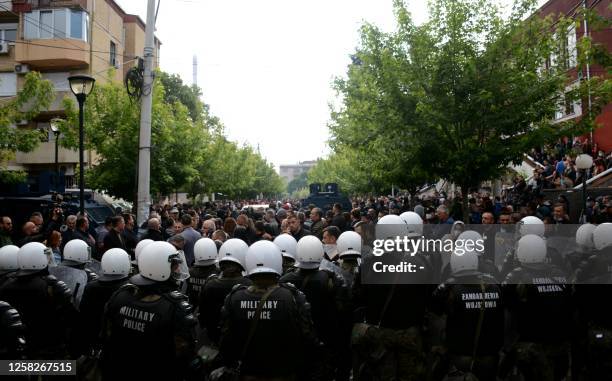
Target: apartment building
{"type": "Point", "coordinates": [292, 171]}
{"type": "Point", "coordinates": [60, 38]}
{"type": "Point", "coordinates": [570, 110]}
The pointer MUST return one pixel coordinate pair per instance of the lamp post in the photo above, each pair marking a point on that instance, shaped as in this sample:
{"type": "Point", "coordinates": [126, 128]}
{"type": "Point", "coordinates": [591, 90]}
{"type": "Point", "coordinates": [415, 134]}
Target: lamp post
{"type": "Point", "coordinates": [81, 86]}
{"type": "Point", "coordinates": [56, 132]}
{"type": "Point", "coordinates": [584, 162]}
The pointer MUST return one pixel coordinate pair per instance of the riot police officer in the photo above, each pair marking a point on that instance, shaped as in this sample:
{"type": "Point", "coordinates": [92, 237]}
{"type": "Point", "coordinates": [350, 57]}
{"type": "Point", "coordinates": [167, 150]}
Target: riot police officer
{"type": "Point", "coordinates": [8, 262]}
{"type": "Point", "coordinates": [267, 327]}
{"type": "Point", "coordinates": [388, 340]}
{"type": "Point", "coordinates": [43, 302]}
{"type": "Point", "coordinates": [139, 246]}
{"type": "Point", "coordinates": [148, 330]}
{"type": "Point", "coordinates": [324, 291]}
{"type": "Point", "coordinates": [287, 245]}
{"type": "Point", "coordinates": [12, 331]}
{"type": "Point", "coordinates": [539, 302]}
{"type": "Point", "coordinates": [232, 263]}
{"type": "Point", "coordinates": [473, 306]}
{"type": "Point", "coordinates": [115, 271]}
{"type": "Point", "coordinates": [593, 279]}
{"type": "Point", "coordinates": [205, 253]}
{"type": "Point", "coordinates": [77, 254]}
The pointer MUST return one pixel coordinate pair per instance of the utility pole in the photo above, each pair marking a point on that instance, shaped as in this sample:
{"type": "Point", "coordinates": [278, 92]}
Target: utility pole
{"type": "Point", "coordinates": [144, 148]}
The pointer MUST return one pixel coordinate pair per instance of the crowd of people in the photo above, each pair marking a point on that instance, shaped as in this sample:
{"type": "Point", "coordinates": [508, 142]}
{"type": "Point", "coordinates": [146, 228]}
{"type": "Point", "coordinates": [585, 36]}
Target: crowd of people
{"type": "Point", "coordinates": [224, 291]}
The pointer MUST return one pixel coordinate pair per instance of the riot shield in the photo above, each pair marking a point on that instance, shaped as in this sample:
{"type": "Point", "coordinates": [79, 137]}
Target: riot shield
{"type": "Point", "coordinates": [95, 266]}
{"type": "Point", "coordinates": [504, 243]}
{"type": "Point", "coordinates": [75, 279]}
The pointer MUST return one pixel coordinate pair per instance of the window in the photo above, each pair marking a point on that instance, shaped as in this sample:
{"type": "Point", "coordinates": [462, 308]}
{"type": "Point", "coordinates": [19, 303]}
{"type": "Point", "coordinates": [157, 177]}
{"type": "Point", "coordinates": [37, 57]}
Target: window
{"type": "Point", "coordinates": [8, 33]}
{"type": "Point", "coordinates": [8, 84]}
{"type": "Point", "coordinates": [568, 108]}
{"type": "Point", "coordinates": [570, 48]}
{"type": "Point", "coordinates": [76, 24]}
{"type": "Point", "coordinates": [113, 54]}
{"type": "Point", "coordinates": [56, 23]}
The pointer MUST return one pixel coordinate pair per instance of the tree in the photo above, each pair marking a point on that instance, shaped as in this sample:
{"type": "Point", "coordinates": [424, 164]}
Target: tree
{"type": "Point", "coordinates": [35, 96]}
{"type": "Point", "coordinates": [176, 91]}
{"type": "Point", "coordinates": [299, 182]}
{"type": "Point", "coordinates": [459, 97]}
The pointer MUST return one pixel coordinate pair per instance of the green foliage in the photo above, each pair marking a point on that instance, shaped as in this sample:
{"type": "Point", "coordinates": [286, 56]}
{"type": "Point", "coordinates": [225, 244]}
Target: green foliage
{"type": "Point", "coordinates": [459, 97]}
{"type": "Point", "coordinates": [36, 96]}
{"type": "Point", "coordinates": [298, 183]}
{"type": "Point", "coordinates": [189, 151]}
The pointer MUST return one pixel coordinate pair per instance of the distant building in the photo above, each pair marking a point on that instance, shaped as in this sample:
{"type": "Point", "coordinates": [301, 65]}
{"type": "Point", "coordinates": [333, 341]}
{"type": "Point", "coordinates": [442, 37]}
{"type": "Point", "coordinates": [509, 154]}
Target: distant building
{"type": "Point", "coordinates": [60, 38]}
{"type": "Point", "coordinates": [571, 110]}
{"type": "Point", "coordinates": [290, 172]}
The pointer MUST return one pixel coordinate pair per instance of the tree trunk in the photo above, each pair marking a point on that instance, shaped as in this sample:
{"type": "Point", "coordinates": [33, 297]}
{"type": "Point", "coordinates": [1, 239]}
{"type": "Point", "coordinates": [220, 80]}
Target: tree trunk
{"type": "Point", "coordinates": [465, 203]}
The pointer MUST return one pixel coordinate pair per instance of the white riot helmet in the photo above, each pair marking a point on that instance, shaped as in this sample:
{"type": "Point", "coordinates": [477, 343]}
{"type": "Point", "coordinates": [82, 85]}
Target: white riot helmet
{"type": "Point", "coordinates": [234, 250]}
{"type": "Point", "coordinates": [414, 222]}
{"type": "Point", "coordinates": [141, 245]}
{"type": "Point", "coordinates": [470, 237]}
{"type": "Point", "coordinates": [205, 252]}
{"type": "Point", "coordinates": [309, 253]}
{"type": "Point", "coordinates": [115, 265]}
{"type": "Point", "coordinates": [155, 263]}
{"type": "Point", "coordinates": [584, 236]}
{"type": "Point", "coordinates": [390, 226]}
{"type": "Point", "coordinates": [33, 257]}
{"type": "Point", "coordinates": [264, 257]}
{"type": "Point", "coordinates": [287, 245]}
{"type": "Point", "coordinates": [531, 225]}
{"type": "Point", "coordinates": [602, 236]}
{"type": "Point", "coordinates": [531, 249]}
{"type": "Point", "coordinates": [463, 260]}
{"type": "Point", "coordinates": [76, 252]}
{"type": "Point", "coordinates": [8, 259]}
{"type": "Point", "coordinates": [349, 244]}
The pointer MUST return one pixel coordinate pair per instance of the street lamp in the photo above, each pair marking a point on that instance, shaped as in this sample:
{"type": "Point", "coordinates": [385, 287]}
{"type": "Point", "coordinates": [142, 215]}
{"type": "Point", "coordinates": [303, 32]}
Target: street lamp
{"type": "Point", "coordinates": [55, 129]}
{"type": "Point", "coordinates": [584, 162]}
{"type": "Point", "coordinates": [81, 86]}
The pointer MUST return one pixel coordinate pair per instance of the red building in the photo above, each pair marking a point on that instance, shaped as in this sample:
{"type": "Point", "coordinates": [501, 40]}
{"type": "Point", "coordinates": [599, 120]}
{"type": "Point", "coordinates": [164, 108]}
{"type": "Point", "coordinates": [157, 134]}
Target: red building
{"type": "Point", "coordinates": [603, 135]}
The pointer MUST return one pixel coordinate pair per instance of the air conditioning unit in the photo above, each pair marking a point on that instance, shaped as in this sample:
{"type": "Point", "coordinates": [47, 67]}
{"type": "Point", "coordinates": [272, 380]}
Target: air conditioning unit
{"type": "Point", "coordinates": [22, 69]}
{"type": "Point", "coordinates": [4, 47]}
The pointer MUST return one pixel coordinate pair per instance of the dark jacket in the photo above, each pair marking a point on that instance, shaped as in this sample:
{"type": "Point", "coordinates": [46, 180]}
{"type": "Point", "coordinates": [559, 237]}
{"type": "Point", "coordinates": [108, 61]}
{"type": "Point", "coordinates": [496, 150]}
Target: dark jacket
{"type": "Point", "coordinates": [114, 240]}
{"type": "Point", "coordinates": [154, 235]}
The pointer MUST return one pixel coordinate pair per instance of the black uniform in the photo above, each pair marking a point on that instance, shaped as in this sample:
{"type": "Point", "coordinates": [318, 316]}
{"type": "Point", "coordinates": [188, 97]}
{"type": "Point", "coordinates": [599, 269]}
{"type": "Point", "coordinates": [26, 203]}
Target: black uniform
{"type": "Point", "coordinates": [460, 300]}
{"type": "Point", "coordinates": [148, 339]}
{"type": "Point", "coordinates": [326, 295]}
{"type": "Point", "coordinates": [284, 338]}
{"type": "Point", "coordinates": [539, 301]}
{"type": "Point", "coordinates": [211, 300]}
{"type": "Point", "coordinates": [95, 296]}
{"type": "Point", "coordinates": [46, 309]}
{"type": "Point", "coordinates": [12, 331]}
{"type": "Point", "coordinates": [197, 279]}
{"type": "Point", "coordinates": [593, 346]}
{"type": "Point", "coordinates": [395, 348]}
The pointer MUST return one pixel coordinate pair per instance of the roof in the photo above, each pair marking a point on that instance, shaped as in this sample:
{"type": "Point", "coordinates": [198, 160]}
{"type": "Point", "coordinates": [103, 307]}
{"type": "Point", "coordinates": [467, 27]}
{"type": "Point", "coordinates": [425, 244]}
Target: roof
{"type": "Point", "coordinates": [129, 18]}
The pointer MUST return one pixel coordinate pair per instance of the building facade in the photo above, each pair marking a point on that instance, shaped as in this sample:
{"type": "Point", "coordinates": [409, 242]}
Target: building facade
{"type": "Point", "coordinates": [601, 136]}
{"type": "Point", "coordinates": [60, 38]}
{"type": "Point", "coordinates": [292, 171]}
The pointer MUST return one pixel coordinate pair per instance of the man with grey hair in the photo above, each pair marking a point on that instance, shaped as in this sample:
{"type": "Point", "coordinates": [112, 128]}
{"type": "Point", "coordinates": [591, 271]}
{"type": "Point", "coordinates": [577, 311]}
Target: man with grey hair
{"type": "Point", "coordinates": [317, 226]}
{"type": "Point", "coordinates": [208, 227]}
{"type": "Point", "coordinates": [443, 216]}
{"type": "Point", "coordinates": [153, 230]}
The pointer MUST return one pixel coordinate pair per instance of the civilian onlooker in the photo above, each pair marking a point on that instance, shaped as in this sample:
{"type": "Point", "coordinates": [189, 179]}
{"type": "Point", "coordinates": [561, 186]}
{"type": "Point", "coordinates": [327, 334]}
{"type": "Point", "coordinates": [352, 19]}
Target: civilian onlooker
{"type": "Point", "coordinates": [114, 238]}
{"type": "Point", "coordinates": [6, 229]}
{"type": "Point", "coordinates": [191, 236]}
{"type": "Point", "coordinates": [153, 230]}
{"type": "Point", "coordinates": [102, 232]}
{"type": "Point", "coordinates": [338, 219]}
{"type": "Point", "coordinates": [82, 233]}
{"type": "Point", "coordinates": [54, 243]}
{"type": "Point", "coordinates": [316, 228]}
{"type": "Point", "coordinates": [229, 226]}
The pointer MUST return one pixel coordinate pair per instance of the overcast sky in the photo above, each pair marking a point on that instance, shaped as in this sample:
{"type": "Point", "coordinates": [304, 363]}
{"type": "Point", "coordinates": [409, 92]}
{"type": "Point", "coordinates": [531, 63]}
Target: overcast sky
{"type": "Point", "coordinates": [266, 66]}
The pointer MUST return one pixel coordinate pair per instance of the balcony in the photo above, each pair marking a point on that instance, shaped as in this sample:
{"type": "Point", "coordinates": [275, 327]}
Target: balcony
{"type": "Point", "coordinates": [28, 5]}
{"type": "Point", "coordinates": [46, 54]}
{"type": "Point", "coordinates": [45, 154]}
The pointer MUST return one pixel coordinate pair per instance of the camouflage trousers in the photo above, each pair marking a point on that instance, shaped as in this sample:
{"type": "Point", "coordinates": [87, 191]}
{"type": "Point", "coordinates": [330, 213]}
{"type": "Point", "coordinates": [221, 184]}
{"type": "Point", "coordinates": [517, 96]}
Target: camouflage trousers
{"type": "Point", "coordinates": [382, 354]}
{"type": "Point", "coordinates": [542, 362]}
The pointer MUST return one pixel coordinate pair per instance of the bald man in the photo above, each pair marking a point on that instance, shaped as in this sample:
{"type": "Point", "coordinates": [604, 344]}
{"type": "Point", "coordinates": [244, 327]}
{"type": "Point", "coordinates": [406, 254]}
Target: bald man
{"type": "Point", "coordinates": [30, 234]}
